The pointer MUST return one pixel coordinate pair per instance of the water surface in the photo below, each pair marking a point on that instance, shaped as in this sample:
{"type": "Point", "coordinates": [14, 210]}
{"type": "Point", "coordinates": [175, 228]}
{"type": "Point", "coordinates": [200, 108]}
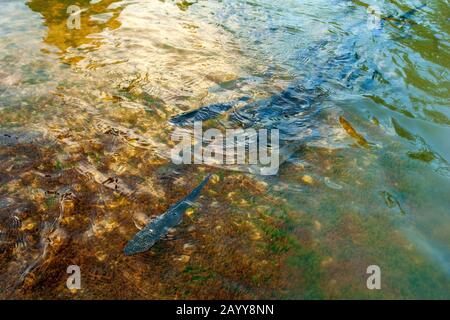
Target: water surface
{"type": "Point", "coordinates": [84, 126]}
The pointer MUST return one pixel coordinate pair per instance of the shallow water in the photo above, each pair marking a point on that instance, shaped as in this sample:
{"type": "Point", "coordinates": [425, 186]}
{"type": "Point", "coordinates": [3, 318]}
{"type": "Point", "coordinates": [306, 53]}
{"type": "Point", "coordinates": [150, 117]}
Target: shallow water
{"type": "Point", "coordinates": [84, 134]}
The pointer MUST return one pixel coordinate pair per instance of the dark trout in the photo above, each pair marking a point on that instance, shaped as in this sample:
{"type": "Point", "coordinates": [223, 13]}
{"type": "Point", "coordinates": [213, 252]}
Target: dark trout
{"type": "Point", "coordinates": [159, 227]}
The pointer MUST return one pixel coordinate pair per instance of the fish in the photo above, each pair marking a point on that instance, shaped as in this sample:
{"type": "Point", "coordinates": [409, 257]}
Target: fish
{"type": "Point", "coordinates": [159, 227]}
{"type": "Point", "coordinates": [297, 99]}
{"type": "Point", "coordinates": [293, 105]}
{"type": "Point", "coordinates": [205, 113]}
{"type": "Point", "coordinates": [353, 133]}
{"type": "Point", "coordinates": [295, 111]}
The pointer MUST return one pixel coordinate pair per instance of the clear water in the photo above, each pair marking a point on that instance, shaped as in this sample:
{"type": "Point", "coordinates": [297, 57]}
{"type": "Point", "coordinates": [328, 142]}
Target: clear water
{"type": "Point", "coordinates": [78, 107]}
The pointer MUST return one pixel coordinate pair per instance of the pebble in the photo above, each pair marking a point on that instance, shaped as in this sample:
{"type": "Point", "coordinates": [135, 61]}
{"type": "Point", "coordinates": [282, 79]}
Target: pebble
{"type": "Point", "coordinates": [307, 179]}
{"type": "Point", "coordinates": [188, 247]}
{"type": "Point", "coordinates": [317, 225]}
{"type": "Point", "coordinates": [101, 256]}
{"type": "Point", "coordinates": [189, 212]}
{"type": "Point", "coordinates": [183, 258]}
{"type": "Point", "coordinates": [214, 179]}
{"type": "Point", "coordinates": [327, 261]}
